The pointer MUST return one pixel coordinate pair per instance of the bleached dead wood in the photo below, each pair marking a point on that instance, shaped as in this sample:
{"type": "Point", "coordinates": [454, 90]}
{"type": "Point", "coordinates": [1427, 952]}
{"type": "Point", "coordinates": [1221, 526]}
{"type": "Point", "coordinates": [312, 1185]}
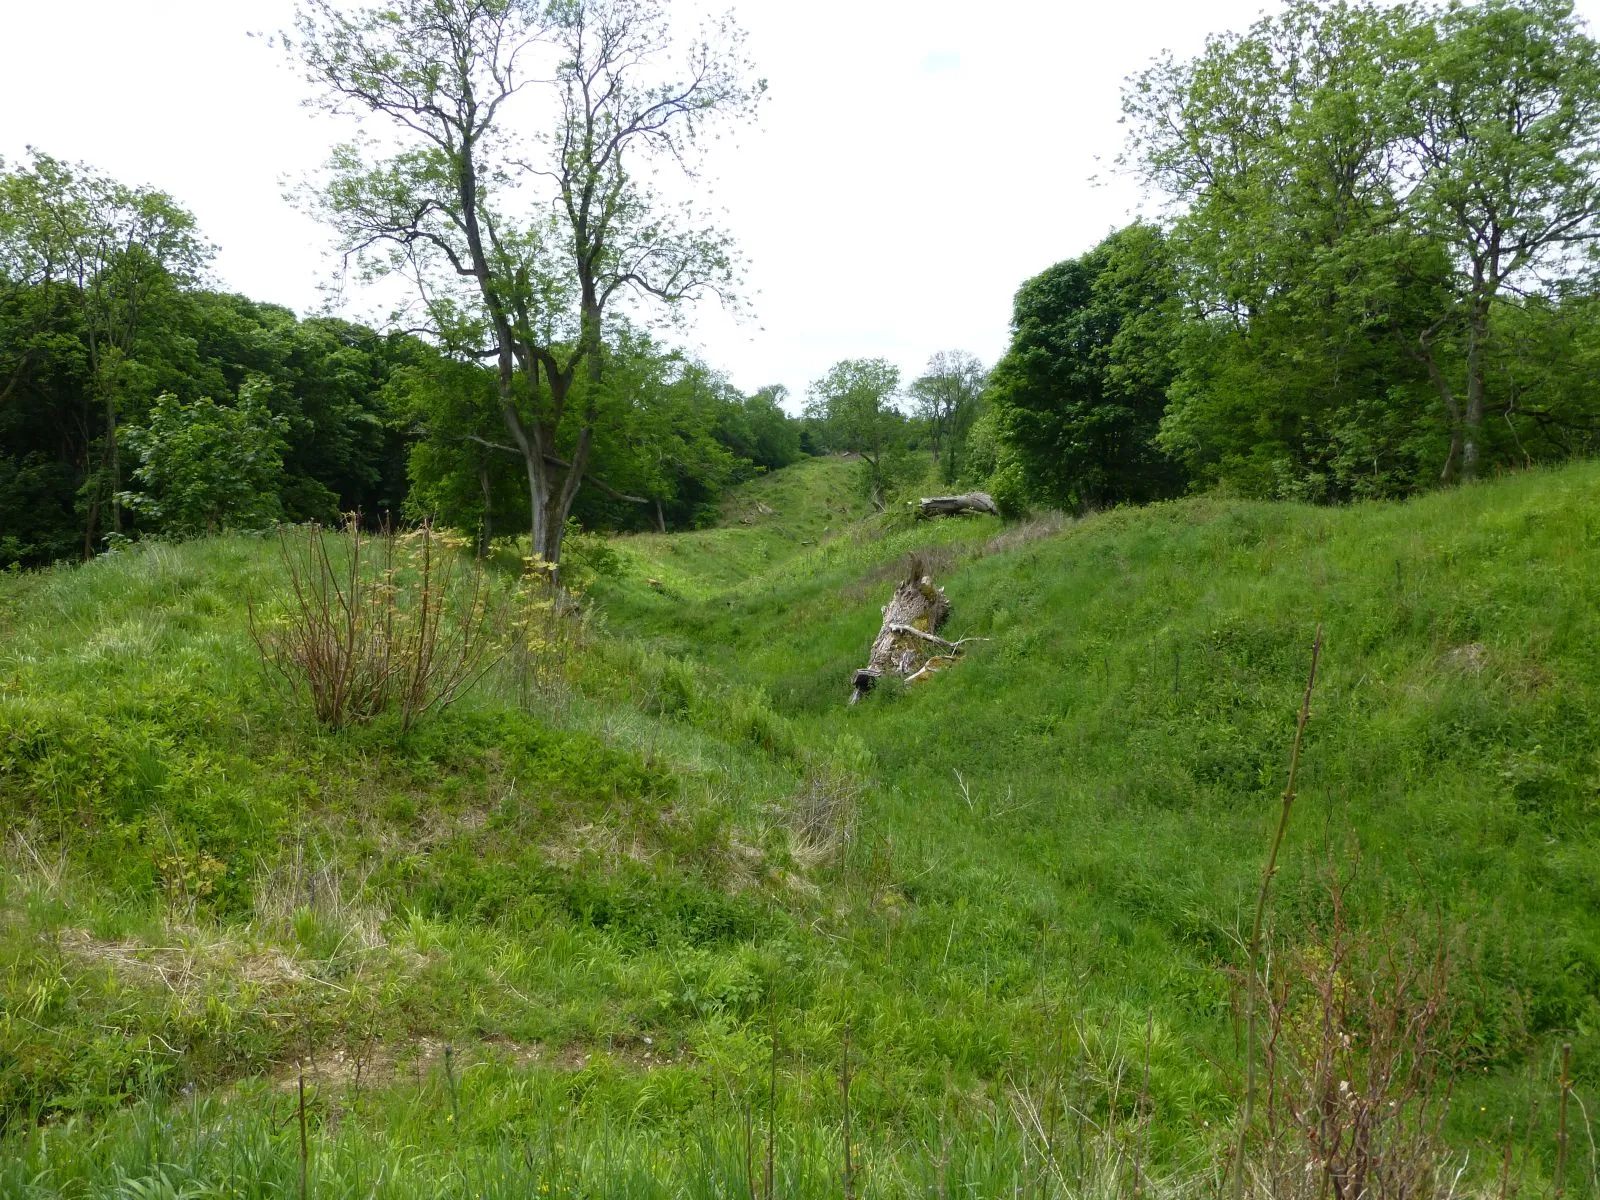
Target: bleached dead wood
{"type": "Point", "coordinates": [949, 647]}
{"type": "Point", "coordinates": [907, 643]}
{"type": "Point", "coordinates": [949, 506]}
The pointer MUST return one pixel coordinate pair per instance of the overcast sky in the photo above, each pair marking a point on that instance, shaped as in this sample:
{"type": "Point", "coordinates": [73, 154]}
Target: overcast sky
{"type": "Point", "coordinates": [917, 160]}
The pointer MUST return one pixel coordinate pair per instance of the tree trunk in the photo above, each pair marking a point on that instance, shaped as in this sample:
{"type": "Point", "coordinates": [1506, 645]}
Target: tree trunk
{"type": "Point", "coordinates": [545, 536]}
{"type": "Point", "coordinates": [91, 523]}
{"type": "Point", "coordinates": [908, 644]}
{"type": "Point", "coordinates": [486, 532]}
{"type": "Point", "coordinates": [530, 446]}
{"type": "Point", "coordinates": [556, 525]}
{"type": "Point", "coordinates": [1451, 406]}
{"type": "Point", "coordinates": [948, 506]}
{"type": "Point", "coordinates": [1472, 420]}
{"type": "Point", "coordinates": [874, 480]}
{"type": "Point", "coordinates": [113, 462]}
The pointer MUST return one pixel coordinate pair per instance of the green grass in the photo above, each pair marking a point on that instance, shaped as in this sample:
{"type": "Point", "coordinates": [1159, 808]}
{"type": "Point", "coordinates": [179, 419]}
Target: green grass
{"type": "Point", "coordinates": [604, 892]}
{"type": "Point", "coordinates": [766, 522]}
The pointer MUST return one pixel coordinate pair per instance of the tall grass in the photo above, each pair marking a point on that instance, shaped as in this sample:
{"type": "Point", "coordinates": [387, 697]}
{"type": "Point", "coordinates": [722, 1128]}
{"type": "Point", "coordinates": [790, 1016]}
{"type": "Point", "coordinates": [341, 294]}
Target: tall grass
{"type": "Point", "coordinates": [405, 1145]}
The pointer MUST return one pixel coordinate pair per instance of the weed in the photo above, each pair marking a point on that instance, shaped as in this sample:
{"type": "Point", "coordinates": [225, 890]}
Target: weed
{"type": "Point", "coordinates": [1359, 1054]}
{"type": "Point", "coordinates": [1253, 984]}
{"type": "Point", "coordinates": [376, 621]}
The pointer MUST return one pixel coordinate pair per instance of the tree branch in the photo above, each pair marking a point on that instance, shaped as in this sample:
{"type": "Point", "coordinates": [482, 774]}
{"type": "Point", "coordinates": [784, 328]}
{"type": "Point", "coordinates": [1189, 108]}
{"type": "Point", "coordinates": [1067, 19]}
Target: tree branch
{"type": "Point", "coordinates": [589, 477]}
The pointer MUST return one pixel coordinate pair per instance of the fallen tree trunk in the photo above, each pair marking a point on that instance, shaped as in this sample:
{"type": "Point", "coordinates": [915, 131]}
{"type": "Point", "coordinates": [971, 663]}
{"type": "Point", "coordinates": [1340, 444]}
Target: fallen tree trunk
{"type": "Point", "coordinates": [908, 644]}
{"type": "Point", "coordinates": [949, 506]}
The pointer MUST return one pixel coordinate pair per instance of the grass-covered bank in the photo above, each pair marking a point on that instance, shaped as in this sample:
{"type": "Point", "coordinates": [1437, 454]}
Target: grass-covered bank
{"type": "Point", "coordinates": [1021, 886]}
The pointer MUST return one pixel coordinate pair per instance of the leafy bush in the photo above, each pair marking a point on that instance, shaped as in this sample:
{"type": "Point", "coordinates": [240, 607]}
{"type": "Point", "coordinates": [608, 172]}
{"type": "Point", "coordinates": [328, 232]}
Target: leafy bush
{"type": "Point", "coordinates": [205, 467]}
{"type": "Point", "coordinates": [586, 557]}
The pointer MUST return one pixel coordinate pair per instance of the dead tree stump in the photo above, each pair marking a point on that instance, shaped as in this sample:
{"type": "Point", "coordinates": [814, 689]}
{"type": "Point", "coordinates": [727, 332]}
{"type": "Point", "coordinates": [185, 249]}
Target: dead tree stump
{"type": "Point", "coordinates": [908, 644]}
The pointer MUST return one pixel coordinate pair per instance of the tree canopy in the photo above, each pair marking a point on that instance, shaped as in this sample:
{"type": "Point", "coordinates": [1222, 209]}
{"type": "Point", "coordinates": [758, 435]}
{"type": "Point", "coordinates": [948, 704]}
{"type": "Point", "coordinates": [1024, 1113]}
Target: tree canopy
{"type": "Point", "coordinates": [227, 413]}
{"type": "Point", "coordinates": [1082, 390]}
{"type": "Point", "coordinates": [1367, 198]}
{"type": "Point", "coordinates": [856, 408]}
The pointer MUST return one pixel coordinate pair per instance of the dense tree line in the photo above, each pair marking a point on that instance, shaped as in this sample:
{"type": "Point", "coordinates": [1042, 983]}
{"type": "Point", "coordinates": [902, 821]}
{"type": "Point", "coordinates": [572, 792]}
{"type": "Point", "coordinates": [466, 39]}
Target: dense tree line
{"type": "Point", "coordinates": [136, 400]}
{"type": "Point", "coordinates": [110, 349]}
{"type": "Point", "coordinates": [669, 439]}
{"type": "Point", "coordinates": [1374, 275]}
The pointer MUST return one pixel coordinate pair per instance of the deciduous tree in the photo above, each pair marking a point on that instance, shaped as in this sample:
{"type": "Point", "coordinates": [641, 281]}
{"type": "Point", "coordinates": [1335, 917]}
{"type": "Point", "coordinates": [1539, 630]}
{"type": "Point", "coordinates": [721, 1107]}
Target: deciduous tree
{"type": "Point", "coordinates": [1357, 187]}
{"type": "Point", "coordinates": [112, 252]}
{"type": "Point", "coordinates": [946, 397]}
{"type": "Point", "coordinates": [204, 467]}
{"type": "Point", "coordinates": [1081, 392]}
{"type": "Point", "coordinates": [547, 233]}
{"type": "Point", "coordinates": [1502, 157]}
{"type": "Point", "coordinates": [856, 403]}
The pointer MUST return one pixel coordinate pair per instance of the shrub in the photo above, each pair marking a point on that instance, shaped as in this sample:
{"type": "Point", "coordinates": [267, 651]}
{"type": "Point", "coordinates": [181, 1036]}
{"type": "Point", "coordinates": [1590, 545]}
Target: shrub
{"type": "Point", "coordinates": [1359, 1050]}
{"type": "Point", "coordinates": [378, 623]}
{"type": "Point", "coordinates": [205, 467]}
{"type": "Point", "coordinates": [586, 557]}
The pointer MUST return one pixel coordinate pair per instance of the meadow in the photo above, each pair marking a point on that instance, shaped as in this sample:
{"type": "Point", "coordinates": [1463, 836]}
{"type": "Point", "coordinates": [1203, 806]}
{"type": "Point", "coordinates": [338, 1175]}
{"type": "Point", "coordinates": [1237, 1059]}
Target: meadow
{"type": "Point", "coordinates": [650, 911]}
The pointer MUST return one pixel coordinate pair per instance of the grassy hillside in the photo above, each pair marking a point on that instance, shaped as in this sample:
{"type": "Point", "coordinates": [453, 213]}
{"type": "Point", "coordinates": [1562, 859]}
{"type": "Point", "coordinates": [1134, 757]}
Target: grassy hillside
{"type": "Point", "coordinates": [542, 942]}
{"type": "Point", "coordinates": [765, 523]}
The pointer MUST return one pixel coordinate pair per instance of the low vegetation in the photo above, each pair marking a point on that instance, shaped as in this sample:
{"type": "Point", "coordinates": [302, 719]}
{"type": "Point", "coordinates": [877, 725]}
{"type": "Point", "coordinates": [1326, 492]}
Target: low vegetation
{"type": "Point", "coordinates": [612, 915]}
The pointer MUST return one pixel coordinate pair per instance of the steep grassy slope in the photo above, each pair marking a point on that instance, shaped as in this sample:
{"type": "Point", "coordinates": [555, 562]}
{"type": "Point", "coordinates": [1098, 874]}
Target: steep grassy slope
{"type": "Point", "coordinates": [605, 887]}
{"type": "Point", "coordinates": [1099, 781]}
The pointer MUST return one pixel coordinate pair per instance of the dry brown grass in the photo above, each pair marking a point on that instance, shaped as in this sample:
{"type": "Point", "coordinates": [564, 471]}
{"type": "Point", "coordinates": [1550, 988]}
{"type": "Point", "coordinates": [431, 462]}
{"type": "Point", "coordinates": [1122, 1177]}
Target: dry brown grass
{"type": "Point", "coordinates": [821, 816]}
{"type": "Point", "coordinates": [1035, 528]}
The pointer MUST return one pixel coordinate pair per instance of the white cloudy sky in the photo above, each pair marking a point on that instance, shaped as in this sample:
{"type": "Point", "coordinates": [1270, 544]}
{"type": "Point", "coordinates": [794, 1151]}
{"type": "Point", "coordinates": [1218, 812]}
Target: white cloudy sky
{"type": "Point", "coordinates": [917, 160]}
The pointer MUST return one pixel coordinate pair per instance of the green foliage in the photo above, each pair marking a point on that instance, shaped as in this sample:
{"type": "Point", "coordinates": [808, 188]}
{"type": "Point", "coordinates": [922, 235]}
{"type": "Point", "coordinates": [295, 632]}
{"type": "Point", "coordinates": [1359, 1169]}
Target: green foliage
{"type": "Point", "coordinates": [948, 397]}
{"type": "Point", "coordinates": [457, 475]}
{"type": "Point", "coordinates": [526, 249]}
{"type": "Point", "coordinates": [854, 409]}
{"type": "Point", "coordinates": [88, 260]}
{"type": "Point", "coordinates": [1080, 394]}
{"type": "Point", "coordinates": [672, 438]}
{"type": "Point", "coordinates": [1371, 197]}
{"type": "Point", "coordinates": [774, 435]}
{"type": "Point", "coordinates": [86, 353]}
{"type": "Point", "coordinates": [89, 341]}
{"type": "Point", "coordinates": [604, 893]}
{"type": "Point", "coordinates": [205, 468]}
